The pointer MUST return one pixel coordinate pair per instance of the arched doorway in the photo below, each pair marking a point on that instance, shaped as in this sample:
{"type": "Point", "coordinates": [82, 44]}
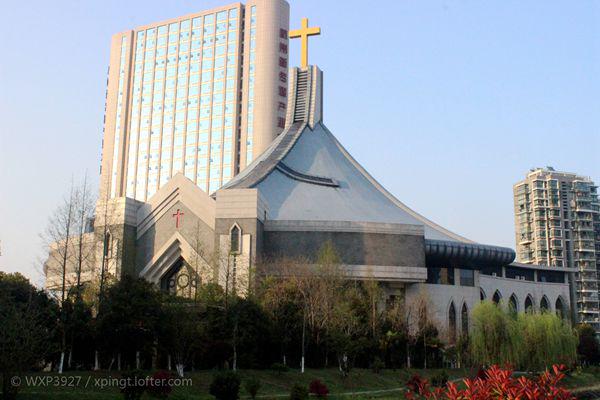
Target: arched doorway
{"type": "Point", "coordinates": [559, 307]}
{"type": "Point", "coordinates": [464, 320]}
{"type": "Point", "coordinates": [180, 280]}
{"type": "Point", "coordinates": [482, 295]}
{"type": "Point", "coordinates": [513, 303]}
{"type": "Point", "coordinates": [497, 297]}
{"type": "Point", "coordinates": [544, 304]}
{"type": "Point", "coordinates": [529, 304]}
{"type": "Point", "coordinates": [452, 323]}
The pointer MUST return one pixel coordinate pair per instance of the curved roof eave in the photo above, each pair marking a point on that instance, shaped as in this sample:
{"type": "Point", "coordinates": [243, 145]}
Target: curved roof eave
{"type": "Point", "coordinates": [390, 196]}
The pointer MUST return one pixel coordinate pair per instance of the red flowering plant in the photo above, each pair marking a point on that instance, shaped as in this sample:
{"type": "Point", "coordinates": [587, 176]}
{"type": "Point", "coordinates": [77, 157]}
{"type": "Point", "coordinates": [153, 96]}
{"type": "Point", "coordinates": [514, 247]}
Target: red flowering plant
{"type": "Point", "coordinates": [499, 384]}
{"type": "Point", "coordinates": [160, 384]}
{"type": "Point", "coordinates": [318, 388]}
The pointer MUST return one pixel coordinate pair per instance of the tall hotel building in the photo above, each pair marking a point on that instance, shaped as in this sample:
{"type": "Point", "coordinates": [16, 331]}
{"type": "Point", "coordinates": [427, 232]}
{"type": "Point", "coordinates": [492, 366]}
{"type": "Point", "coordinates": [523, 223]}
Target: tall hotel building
{"type": "Point", "coordinates": [557, 219]}
{"type": "Point", "coordinates": [201, 94]}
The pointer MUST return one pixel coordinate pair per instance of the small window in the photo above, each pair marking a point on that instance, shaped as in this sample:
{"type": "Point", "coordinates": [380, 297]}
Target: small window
{"type": "Point", "coordinates": [529, 304]}
{"type": "Point", "coordinates": [497, 297]}
{"type": "Point", "coordinates": [467, 277]}
{"type": "Point", "coordinates": [464, 319]}
{"type": "Point", "coordinates": [234, 237]}
{"type": "Point", "coordinates": [452, 323]}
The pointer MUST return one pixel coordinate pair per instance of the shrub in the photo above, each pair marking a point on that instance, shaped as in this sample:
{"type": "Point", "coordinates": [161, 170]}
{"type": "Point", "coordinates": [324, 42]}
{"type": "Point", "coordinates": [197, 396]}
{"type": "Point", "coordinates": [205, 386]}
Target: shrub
{"type": "Point", "coordinates": [159, 386]}
{"type": "Point", "coordinates": [524, 340]}
{"type": "Point", "coordinates": [131, 390]}
{"type": "Point", "coordinates": [279, 368]}
{"type": "Point", "coordinates": [318, 388]}
{"type": "Point", "coordinates": [252, 386]}
{"type": "Point", "coordinates": [377, 365]}
{"type": "Point", "coordinates": [298, 392]}
{"type": "Point", "coordinates": [440, 379]}
{"type": "Point", "coordinates": [417, 384]}
{"type": "Point", "coordinates": [501, 385]}
{"type": "Point", "coordinates": [482, 373]}
{"type": "Point", "coordinates": [225, 386]}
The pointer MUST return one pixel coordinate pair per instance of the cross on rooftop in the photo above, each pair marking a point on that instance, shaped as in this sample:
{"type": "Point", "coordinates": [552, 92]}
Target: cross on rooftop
{"type": "Point", "coordinates": [303, 33]}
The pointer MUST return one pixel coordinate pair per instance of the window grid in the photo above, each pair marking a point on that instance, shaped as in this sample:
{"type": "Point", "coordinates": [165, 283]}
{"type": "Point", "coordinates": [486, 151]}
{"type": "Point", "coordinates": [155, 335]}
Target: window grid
{"type": "Point", "coordinates": [117, 136]}
{"type": "Point", "coordinates": [182, 113]}
{"type": "Point", "coordinates": [250, 110]}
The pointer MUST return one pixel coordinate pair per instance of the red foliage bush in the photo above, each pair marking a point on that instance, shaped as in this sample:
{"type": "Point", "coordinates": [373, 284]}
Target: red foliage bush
{"type": "Point", "coordinates": [482, 373]}
{"type": "Point", "coordinates": [417, 384]}
{"type": "Point", "coordinates": [159, 386]}
{"type": "Point", "coordinates": [318, 388]}
{"type": "Point", "coordinates": [499, 384]}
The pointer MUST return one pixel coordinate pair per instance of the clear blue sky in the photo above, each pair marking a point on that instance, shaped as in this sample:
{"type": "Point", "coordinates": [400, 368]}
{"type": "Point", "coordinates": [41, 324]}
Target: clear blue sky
{"type": "Point", "coordinates": [447, 103]}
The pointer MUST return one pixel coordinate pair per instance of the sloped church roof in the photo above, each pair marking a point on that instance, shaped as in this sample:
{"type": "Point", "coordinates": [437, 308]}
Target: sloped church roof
{"type": "Point", "coordinates": [307, 175]}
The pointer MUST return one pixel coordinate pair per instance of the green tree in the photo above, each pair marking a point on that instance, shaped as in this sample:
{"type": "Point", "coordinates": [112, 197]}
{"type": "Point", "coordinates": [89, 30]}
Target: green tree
{"type": "Point", "coordinates": [130, 315]}
{"type": "Point", "coordinates": [526, 340]}
{"type": "Point", "coordinates": [494, 338]}
{"type": "Point", "coordinates": [28, 328]}
{"type": "Point", "coordinates": [587, 348]}
{"type": "Point", "coordinates": [545, 340]}
{"type": "Point", "coordinates": [181, 331]}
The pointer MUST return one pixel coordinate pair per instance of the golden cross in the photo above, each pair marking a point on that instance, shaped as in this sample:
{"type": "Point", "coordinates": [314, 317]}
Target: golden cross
{"type": "Point", "coordinates": [304, 33]}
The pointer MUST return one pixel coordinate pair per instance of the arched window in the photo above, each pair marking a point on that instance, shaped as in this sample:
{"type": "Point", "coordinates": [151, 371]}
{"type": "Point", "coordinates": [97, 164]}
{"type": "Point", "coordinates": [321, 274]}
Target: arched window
{"type": "Point", "coordinates": [235, 239]}
{"type": "Point", "coordinates": [108, 245]}
{"type": "Point", "coordinates": [452, 323]}
{"type": "Point", "coordinates": [497, 297]}
{"type": "Point", "coordinates": [513, 303]}
{"type": "Point", "coordinates": [464, 319]}
{"type": "Point", "coordinates": [560, 310]}
{"type": "Point", "coordinates": [529, 304]}
{"type": "Point", "coordinates": [544, 305]}
{"type": "Point", "coordinates": [482, 295]}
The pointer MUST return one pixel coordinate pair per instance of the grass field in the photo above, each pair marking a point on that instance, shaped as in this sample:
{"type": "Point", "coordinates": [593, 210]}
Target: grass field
{"type": "Point", "coordinates": [273, 384]}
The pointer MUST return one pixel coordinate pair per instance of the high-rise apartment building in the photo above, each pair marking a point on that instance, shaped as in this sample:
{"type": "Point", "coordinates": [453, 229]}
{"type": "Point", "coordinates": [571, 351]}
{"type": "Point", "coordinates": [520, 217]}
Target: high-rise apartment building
{"type": "Point", "coordinates": [201, 94]}
{"type": "Point", "coordinates": [557, 220]}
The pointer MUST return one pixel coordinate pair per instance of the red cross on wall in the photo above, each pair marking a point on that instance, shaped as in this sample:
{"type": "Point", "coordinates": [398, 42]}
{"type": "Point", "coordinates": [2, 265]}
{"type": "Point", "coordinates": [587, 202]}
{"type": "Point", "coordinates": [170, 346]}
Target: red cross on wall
{"type": "Point", "coordinates": [178, 215]}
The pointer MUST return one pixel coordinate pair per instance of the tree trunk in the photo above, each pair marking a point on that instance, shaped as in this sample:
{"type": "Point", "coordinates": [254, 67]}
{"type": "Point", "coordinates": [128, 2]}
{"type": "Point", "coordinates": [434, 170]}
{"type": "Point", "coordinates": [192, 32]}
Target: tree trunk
{"type": "Point", "coordinates": [112, 361]}
{"type": "Point", "coordinates": [61, 362]}
{"type": "Point", "coordinates": [425, 352]}
{"type": "Point", "coordinates": [169, 362]}
{"type": "Point", "coordinates": [154, 355]}
{"type": "Point", "coordinates": [96, 361]}
{"type": "Point", "coordinates": [118, 361]}
{"type": "Point", "coordinates": [137, 359]}
{"type": "Point", "coordinates": [303, 340]}
{"type": "Point", "coordinates": [179, 367]}
{"type": "Point", "coordinates": [235, 347]}
{"type": "Point", "coordinates": [70, 359]}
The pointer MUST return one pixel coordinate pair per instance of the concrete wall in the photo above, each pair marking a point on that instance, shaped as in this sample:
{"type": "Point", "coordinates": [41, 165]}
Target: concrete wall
{"type": "Point", "coordinates": [355, 248]}
{"type": "Point", "coordinates": [193, 229]}
{"type": "Point", "coordinates": [439, 298]}
{"type": "Point", "coordinates": [521, 289]}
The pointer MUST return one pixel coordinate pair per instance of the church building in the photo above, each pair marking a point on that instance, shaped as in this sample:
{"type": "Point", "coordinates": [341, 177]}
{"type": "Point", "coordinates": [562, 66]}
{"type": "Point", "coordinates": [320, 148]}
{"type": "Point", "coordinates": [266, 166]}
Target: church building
{"type": "Point", "coordinates": [302, 191]}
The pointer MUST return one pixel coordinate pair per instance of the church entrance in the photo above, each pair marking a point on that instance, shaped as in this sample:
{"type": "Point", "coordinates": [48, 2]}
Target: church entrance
{"type": "Point", "coordinates": [181, 280]}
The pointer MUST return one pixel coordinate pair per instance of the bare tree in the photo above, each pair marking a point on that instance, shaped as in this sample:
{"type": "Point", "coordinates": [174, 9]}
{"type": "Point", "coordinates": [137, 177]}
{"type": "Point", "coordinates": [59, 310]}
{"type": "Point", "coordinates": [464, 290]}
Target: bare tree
{"type": "Point", "coordinates": [84, 209]}
{"type": "Point", "coordinates": [318, 285]}
{"type": "Point", "coordinates": [57, 238]}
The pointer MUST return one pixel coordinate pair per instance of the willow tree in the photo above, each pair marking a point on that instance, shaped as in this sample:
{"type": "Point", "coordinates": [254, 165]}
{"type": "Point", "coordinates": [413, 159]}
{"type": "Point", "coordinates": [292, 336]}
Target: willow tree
{"type": "Point", "coordinates": [531, 341]}
{"type": "Point", "coordinates": [546, 340]}
{"type": "Point", "coordinates": [494, 337]}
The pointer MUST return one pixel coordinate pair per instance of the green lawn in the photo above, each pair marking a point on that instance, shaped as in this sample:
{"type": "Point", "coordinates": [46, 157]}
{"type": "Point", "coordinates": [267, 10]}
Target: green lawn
{"type": "Point", "coordinates": [274, 385]}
